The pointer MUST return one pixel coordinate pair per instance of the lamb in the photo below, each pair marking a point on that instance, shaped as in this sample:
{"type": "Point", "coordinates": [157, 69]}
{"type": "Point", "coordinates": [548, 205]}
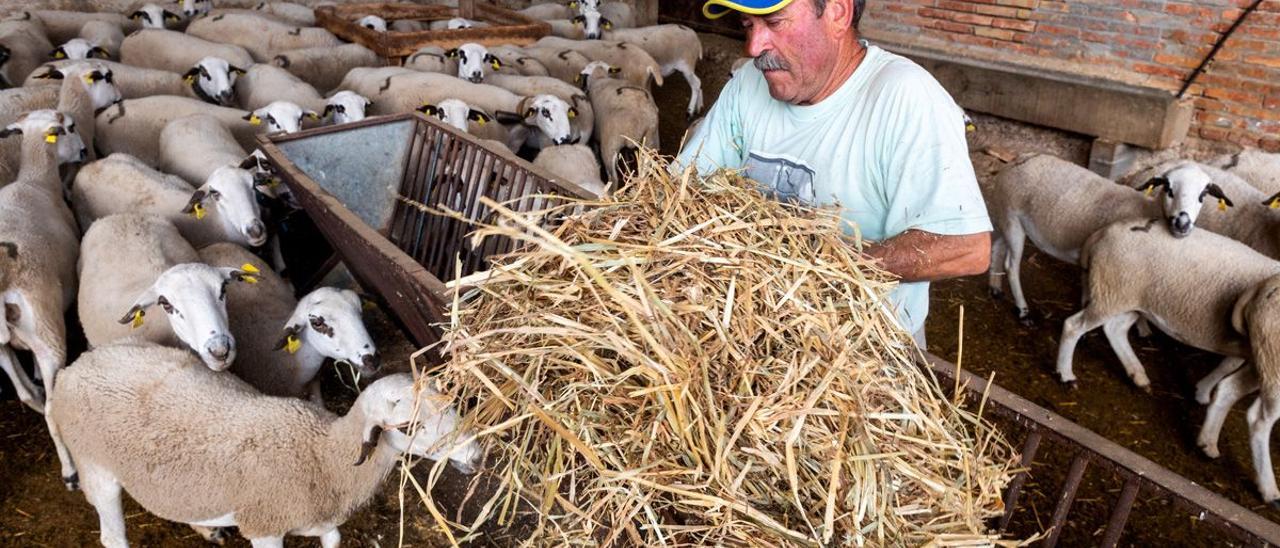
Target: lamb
{"type": "Point", "coordinates": [562, 64]}
{"type": "Point", "coordinates": [38, 262]}
{"type": "Point", "coordinates": [61, 25]}
{"type": "Point", "coordinates": [579, 112]}
{"type": "Point", "coordinates": [1032, 198]}
{"type": "Point", "coordinates": [223, 209]}
{"type": "Point", "coordinates": [261, 37]}
{"type": "Point", "coordinates": [259, 461]}
{"type": "Point", "coordinates": [432, 59]}
{"type": "Point", "coordinates": [264, 84]}
{"type": "Point", "coordinates": [514, 59]}
{"type": "Point", "coordinates": [547, 11]}
{"type": "Point", "coordinates": [151, 16]}
{"type": "Point", "coordinates": [177, 52]}
{"type": "Point", "coordinates": [23, 46]}
{"type": "Point", "coordinates": [211, 85]}
{"type": "Point", "coordinates": [575, 164]}
{"type": "Point", "coordinates": [88, 89]}
{"type": "Point", "coordinates": [132, 262]}
{"type": "Point", "coordinates": [79, 49]}
{"type": "Point", "coordinates": [638, 67]}
{"type": "Point", "coordinates": [345, 106]}
{"type": "Point", "coordinates": [624, 114]}
{"type": "Point", "coordinates": [676, 48]}
{"type": "Point", "coordinates": [133, 126]}
{"type": "Point", "coordinates": [324, 67]}
{"type": "Point", "coordinates": [282, 342]}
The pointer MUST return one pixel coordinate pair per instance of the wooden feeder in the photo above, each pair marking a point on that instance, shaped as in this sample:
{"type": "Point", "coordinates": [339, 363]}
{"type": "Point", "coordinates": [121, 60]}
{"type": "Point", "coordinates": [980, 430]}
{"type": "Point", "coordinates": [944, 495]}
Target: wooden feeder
{"type": "Point", "coordinates": [506, 26]}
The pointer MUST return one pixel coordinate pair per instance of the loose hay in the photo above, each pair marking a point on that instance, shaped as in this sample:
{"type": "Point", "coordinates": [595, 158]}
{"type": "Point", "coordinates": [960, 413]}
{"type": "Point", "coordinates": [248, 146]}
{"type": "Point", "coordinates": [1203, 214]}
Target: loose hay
{"type": "Point", "coordinates": [693, 363]}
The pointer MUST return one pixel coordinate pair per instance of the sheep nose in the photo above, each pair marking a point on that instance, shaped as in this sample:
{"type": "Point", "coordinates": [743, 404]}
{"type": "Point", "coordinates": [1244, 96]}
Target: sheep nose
{"type": "Point", "coordinates": [371, 363]}
{"type": "Point", "coordinates": [84, 154]}
{"type": "Point", "coordinates": [1181, 224]}
{"type": "Point", "coordinates": [221, 349]}
{"type": "Point", "coordinates": [476, 77]}
{"type": "Point", "coordinates": [563, 140]}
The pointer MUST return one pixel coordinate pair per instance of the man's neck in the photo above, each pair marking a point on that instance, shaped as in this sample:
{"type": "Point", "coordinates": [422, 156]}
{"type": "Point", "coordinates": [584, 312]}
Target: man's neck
{"type": "Point", "coordinates": [847, 61]}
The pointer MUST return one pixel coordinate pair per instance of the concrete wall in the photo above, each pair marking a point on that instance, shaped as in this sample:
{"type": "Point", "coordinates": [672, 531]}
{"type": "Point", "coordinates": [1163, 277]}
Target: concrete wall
{"type": "Point", "coordinates": [1156, 43]}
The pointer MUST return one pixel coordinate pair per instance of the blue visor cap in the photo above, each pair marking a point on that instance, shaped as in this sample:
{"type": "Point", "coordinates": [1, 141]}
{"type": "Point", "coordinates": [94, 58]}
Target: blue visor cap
{"type": "Point", "coordinates": [715, 9]}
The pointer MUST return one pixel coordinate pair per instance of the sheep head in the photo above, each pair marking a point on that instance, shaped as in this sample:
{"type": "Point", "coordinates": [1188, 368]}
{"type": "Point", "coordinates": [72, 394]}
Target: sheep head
{"type": "Point", "coordinates": [456, 113]}
{"type": "Point", "coordinates": [328, 320]}
{"type": "Point", "coordinates": [281, 116]}
{"type": "Point", "coordinates": [213, 80]}
{"type": "Point", "coordinates": [415, 419]}
{"type": "Point", "coordinates": [230, 190]}
{"type": "Point", "coordinates": [57, 129]}
{"type": "Point", "coordinates": [1185, 188]}
{"type": "Point", "coordinates": [346, 106]}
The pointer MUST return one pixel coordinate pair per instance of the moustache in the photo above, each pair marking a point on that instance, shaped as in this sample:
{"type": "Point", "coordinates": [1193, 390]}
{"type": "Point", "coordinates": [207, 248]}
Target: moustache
{"type": "Point", "coordinates": [769, 61]}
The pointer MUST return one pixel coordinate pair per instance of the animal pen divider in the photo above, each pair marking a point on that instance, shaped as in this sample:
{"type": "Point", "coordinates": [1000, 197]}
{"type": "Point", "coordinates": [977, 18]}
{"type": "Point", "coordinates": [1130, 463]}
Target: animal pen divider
{"type": "Point", "coordinates": [353, 181]}
{"type": "Point", "coordinates": [506, 27]}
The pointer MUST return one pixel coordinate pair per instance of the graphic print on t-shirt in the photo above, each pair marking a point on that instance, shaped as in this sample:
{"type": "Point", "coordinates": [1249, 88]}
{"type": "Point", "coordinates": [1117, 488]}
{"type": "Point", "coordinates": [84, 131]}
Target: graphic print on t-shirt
{"type": "Point", "coordinates": [785, 178]}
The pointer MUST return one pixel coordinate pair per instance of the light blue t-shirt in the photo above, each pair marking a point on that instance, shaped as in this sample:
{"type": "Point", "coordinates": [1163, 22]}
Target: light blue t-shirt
{"type": "Point", "coordinates": [888, 146]}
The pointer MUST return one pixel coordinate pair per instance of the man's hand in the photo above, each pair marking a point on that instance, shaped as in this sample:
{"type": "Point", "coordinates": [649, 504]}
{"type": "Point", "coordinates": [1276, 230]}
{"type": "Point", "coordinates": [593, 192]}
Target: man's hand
{"type": "Point", "coordinates": [918, 256]}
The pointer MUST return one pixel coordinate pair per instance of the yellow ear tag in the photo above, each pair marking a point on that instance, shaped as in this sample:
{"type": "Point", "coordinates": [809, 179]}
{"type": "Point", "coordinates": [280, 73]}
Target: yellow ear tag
{"type": "Point", "coordinates": [495, 65]}
{"type": "Point", "coordinates": [255, 120]}
{"type": "Point", "coordinates": [59, 55]}
{"type": "Point", "coordinates": [198, 211]}
{"type": "Point", "coordinates": [189, 79]}
{"type": "Point", "coordinates": [480, 122]}
{"type": "Point", "coordinates": [1275, 203]}
{"type": "Point", "coordinates": [572, 115]}
{"type": "Point", "coordinates": [1222, 205]}
{"type": "Point", "coordinates": [51, 138]}
{"type": "Point", "coordinates": [1149, 191]}
{"type": "Point", "coordinates": [248, 279]}
{"type": "Point", "coordinates": [573, 5]}
{"type": "Point", "coordinates": [293, 344]}
{"type": "Point", "coordinates": [137, 319]}
{"type": "Point", "coordinates": [250, 268]}
{"type": "Point", "coordinates": [88, 79]}
{"type": "Point", "coordinates": [970, 127]}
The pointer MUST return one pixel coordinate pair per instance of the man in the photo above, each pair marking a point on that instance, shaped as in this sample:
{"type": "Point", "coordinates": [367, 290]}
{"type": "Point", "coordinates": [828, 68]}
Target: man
{"type": "Point", "coordinates": [821, 117]}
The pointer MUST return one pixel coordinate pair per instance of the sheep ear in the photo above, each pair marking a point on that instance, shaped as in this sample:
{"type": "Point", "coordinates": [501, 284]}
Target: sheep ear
{"type": "Point", "coordinates": [52, 74]}
{"type": "Point", "coordinates": [429, 110]}
{"type": "Point", "coordinates": [140, 15]}
{"type": "Point", "coordinates": [138, 310]}
{"type": "Point", "coordinates": [1273, 202]}
{"type": "Point", "coordinates": [1238, 322]}
{"type": "Point", "coordinates": [573, 113]}
{"type": "Point", "coordinates": [1150, 186]}
{"type": "Point", "coordinates": [579, 20]}
{"type": "Point", "coordinates": [290, 341]}
{"type": "Point", "coordinates": [247, 273]}
{"type": "Point", "coordinates": [195, 206]}
{"type": "Point", "coordinates": [614, 71]}
{"type": "Point", "coordinates": [190, 75]}
{"type": "Point", "coordinates": [328, 111]}
{"type": "Point", "coordinates": [451, 53]}
{"type": "Point", "coordinates": [58, 53]}
{"type": "Point", "coordinates": [236, 70]}
{"type": "Point", "coordinates": [99, 53]}
{"type": "Point", "coordinates": [606, 24]}
{"type": "Point", "coordinates": [13, 129]}
{"type": "Point", "coordinates": [170, 16]}
{"type": "Point", "coordinates": [311, 114]}
{"type": "Point", "coordinates": [493, 61]}
{"type": "Point", "coordinates": [1216, 191]}
{"type": "Point", "coordinates": [369, 443]}
{"type": "Point", "coordinates": [479, 117]}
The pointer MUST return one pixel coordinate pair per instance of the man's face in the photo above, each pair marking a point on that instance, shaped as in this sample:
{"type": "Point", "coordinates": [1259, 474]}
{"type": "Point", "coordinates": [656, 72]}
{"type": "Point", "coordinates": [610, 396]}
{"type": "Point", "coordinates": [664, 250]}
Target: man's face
{"type": "Point", "coordinates": [794, 48]}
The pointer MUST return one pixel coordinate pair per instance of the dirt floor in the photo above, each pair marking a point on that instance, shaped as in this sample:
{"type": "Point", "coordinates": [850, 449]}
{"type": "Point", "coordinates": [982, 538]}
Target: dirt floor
{"type": "Point", "coordinates": [35, 510]}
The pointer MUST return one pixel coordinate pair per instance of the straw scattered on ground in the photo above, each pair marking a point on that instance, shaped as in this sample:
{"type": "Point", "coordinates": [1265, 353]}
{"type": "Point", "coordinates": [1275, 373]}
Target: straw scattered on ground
{"type": "Point", "coordinates": [691, 362]}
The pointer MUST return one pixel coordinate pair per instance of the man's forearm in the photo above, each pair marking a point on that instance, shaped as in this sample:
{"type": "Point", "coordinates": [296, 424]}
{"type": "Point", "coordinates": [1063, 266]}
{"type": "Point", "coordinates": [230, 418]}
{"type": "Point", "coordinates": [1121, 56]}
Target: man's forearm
{"type": "Point", "coordinates": [918, 256]}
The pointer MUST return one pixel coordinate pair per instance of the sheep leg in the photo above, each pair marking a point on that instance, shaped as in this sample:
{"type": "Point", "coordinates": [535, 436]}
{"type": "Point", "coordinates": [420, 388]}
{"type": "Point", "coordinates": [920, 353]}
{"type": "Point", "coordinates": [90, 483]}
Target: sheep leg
{"type": "Point", "coordinates": [1262, 417]}
{"type": "Point", "coordinates": [330, 538]}
{"type": "Point", "coordinates": [1238, 384]}
{"type": "Point", "coordinates": [214, 535]}
{"type": "Point", "coordinates": [1117, 331]}
{"type": "Point", "coordinates": [267, 542]}
{"type": "Point", "coordinates": [50, 360]}
{"type": "Point", "coordinates": [1204, 388]}
{"type": "Point", "coordinates": [998, 253]}
{"type": "Point", "coordinates": [1075, 327]}
{"type": "Point", "coordinates": [1015, 239]}
{"type": "Point", "coordinates": [28, 392]}
{"type": "Point", "coordinates": [695, 84]}
{"type": "Point", "coordinates": [1144, 328]}
{"type": "Point", "coordinates": [609, 155]}
{"type": "Point", "coordinates": [103, 492]}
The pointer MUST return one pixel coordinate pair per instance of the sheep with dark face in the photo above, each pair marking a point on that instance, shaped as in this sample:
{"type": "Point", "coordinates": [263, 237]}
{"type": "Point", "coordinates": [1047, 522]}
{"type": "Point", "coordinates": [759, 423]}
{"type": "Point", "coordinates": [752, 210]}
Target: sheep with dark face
{"type": "Point", "coordinates": [151, 16]}
{"type": "Point", "coordinates": [79, 48]}
{"type": "Point", "coordinates": [211, 80]}
{"type": "Point", "coordinates": [345, 106]}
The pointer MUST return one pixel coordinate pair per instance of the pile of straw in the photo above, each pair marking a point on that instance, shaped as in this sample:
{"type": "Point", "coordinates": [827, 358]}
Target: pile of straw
{"type": "Point", "coordinates": [692, 363]}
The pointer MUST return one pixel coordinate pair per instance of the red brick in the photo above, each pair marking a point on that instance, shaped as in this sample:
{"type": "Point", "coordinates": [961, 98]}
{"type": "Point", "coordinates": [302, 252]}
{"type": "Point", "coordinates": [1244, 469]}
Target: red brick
{"type": "Point", "coordinates": [1272, 103]}
{"type": "Point", "coordinates": [1266, 60]}
{"type": "Point", "coordinates": [1269, 144]}
{"type": "Point", "coordinates": [1055, 29]}
{"type": "Point", "coordinates": [970, 18]}
{"type": "Point", "coordinates": [1029, 4]}
{"type": "Point", "coordinates": [1158, 70]}
{"type": "Point", "coordinates": [959, 6]}
{"type": "Point", "coordinates": [1213, 134]}
{"type": "Point", "coordinates": [997, 34]}
{"type": "Point", "coordinates": [1180, 9]}
{"type": "Point", "coordinates": [1230, 95]}
{"type": "Point", "coordinates": [995, 11]}
{"type": "Point", "coordinates": [1243, 139]}
{"type": "Point", "coordinates": [950, 27]}
{"type": "Point", "coordinates": [1024, 26]}
{"type": "Point", "coordinates": [1177, 61]}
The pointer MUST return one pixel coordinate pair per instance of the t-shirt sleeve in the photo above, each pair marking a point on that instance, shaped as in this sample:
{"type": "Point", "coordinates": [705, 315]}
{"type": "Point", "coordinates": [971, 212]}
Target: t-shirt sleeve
{"type": "Point", "coordinates": [717, 141]}
{"type": "Point", "coordinates": [926, 175]}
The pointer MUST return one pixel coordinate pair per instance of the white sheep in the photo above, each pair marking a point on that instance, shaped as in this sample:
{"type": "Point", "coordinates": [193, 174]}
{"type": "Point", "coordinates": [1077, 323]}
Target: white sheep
{"type": "Point", "coordinates": [177, 52]}
{"type": "Point", "coordinates": [432, 59]}
{"type": "Point", "coordinates": [23, 46]}
{"type": "Point", "coordinates": [193, 147]}
{"type": "Point", "coordinates": [267, 465]}
{"type": "Point", "coordinates": [263, 38]}
{"type": "Point", "coordinates": [474, 61]}
{"type": "Point", "coordinates": [578, 109]}
{"type": "Point", "coordinates": [458, 114]}
{"type": "Point", "coordinates": [79, 48]}
{"type": "Point", "coordinates": [562, 64]}
{"type": "Point", "coordinates": [676, 48]}
{"type": "Point", "coordinates": [610, 14]}
{"type": "Point", "coordinates": [152, 16]}
{"type": "Point", "coordinates": [294, 14]}
{"type": "Point", "coordinates": [626, 115]}
{"type": "Point", "coordinates": [1058, 204]}
{"type": "Point", "coordinates": [575, 164]}
{"type": "Point", "coordinates": [455, 24]}
{"type": "Point", "coordinates": [192, 8]}
{"type": "Point", "coordinates": [282, 342]}
{"type": "Point", "coordinates": [63, 25]}
{"type": "Point", "coordinates": [373, 22]}
{"type": "Point", "coordinates": [133, 126]}
{"type": "Point", "coordinates": [87, 89]}
{"type": "Point", "coordinates": [345, 106]}
{"type": "Point", "coordinates": [514, 59]}
{"type": "Point", "coordinates": [324, 67]}
{"type": "Point", "coordinates": [281, 116]}
{"type": "Point", "coordinates": [130, 263]}
{"type": "Point", "coordinates": [224, 208]}
{"type": "Point", "coordinates": [263, 84]}
{"type": "Point", "coordinates": [135, 82]}
{"type": "Point", "coordinates": [568, 28]}
{"type": "Point", "coordinates": [1258, 168]}
{"type": "Point", "coordinates": [104, 35]}
{"type": "Point", "coordinates": [638, 67]}
{"type": "Point", "coordinates": [39, 245]}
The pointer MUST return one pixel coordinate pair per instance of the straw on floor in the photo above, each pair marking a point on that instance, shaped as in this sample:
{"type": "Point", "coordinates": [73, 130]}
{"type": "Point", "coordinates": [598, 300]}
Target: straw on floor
{"type": "Point", "coordinates": [690, 362]}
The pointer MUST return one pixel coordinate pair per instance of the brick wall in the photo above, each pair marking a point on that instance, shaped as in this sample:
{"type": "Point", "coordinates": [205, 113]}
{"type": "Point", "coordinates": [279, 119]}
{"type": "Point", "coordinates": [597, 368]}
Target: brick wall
{"type": "Point", "coordinates": [1156, 43]}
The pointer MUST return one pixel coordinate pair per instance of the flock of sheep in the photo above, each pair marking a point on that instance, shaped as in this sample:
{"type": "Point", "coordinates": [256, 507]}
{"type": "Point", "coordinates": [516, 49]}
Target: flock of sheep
{"type": "Point", "coordinates": [131, 189]}
{"type": "Point", "coordinates": [1191, 248]}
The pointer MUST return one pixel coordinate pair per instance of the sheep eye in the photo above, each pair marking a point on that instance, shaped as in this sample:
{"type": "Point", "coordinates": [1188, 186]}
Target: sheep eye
{"type": "Point", "coordinates": [317, 322]}
{"type": "Point", "coordinates": [164, 303]}
{"type": "Point", "coordinates": [222, 292]}
{"type": "Point", "coordinates": [546, 114]}
{"type": "Point", "coordinates": [213, 194]}
{"type": "Point", "coordinates": [71, 128]}
{"type": "Point", "coordinates": [271, 119]}
{"type": "Point", "coordinates": [340, 109]}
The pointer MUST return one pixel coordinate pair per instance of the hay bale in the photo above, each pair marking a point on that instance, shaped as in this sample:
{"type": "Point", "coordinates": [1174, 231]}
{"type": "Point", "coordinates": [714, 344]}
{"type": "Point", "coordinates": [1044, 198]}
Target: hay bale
{"type": "Point", "coordinates": [693, 363]}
